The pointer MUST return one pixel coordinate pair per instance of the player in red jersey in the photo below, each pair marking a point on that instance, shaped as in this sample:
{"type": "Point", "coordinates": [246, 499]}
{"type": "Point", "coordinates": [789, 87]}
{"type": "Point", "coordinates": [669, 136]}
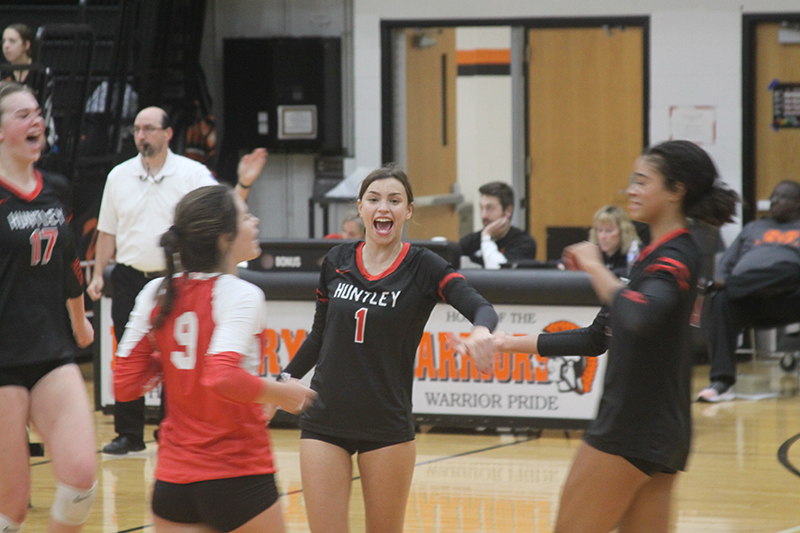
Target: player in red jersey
{"type": "Point", "coordinates": [40, 273]}
{"type": "Point", "coordinates": [373, 301]}
{"type": "Point", "coordinates": [200, 331]}
{"type": "Point", "coordinates": [625, 468]}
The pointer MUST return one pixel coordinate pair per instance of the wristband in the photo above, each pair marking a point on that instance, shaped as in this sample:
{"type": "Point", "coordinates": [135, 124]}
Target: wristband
{"type": "Point", "coordinates": [283, 376]}
{"type": "Point", "coordinates": [242, 185]}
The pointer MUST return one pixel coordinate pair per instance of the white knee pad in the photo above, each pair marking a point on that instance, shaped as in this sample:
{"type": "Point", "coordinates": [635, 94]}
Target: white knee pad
{"type": "Point", "coordinates": [9, 526]}
{"type": "Point", "coordinates": [72, 506]}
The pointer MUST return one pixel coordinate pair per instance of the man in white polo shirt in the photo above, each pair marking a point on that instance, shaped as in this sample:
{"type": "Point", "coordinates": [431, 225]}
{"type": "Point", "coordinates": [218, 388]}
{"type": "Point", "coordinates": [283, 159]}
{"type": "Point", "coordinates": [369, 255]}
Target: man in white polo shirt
{"type": "Point", "coordinates": [138, 205]}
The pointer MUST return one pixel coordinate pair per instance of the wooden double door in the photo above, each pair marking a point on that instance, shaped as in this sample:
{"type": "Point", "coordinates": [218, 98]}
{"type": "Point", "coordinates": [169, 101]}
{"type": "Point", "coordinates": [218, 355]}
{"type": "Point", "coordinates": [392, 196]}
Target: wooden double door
{"type": "Point", "coordinates": [585, 124]}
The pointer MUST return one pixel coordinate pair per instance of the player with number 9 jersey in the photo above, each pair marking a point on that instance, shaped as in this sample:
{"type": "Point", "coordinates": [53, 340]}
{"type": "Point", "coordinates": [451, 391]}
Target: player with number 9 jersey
{"type": "Point", "coordinates": [202, 435]}
{"type": "Point", "coordinates": [200, 329]}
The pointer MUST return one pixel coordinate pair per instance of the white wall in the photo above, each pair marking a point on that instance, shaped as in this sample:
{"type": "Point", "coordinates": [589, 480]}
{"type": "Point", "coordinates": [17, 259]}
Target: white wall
{"type": "Point", "coordinates": [695, 59]}
{"type": "Point", "coordinates": [483, 107]}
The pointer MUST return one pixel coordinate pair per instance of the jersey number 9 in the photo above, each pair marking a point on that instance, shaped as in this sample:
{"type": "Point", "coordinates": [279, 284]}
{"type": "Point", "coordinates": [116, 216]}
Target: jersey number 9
{"type": "Point", "coordinates": [185, 334]}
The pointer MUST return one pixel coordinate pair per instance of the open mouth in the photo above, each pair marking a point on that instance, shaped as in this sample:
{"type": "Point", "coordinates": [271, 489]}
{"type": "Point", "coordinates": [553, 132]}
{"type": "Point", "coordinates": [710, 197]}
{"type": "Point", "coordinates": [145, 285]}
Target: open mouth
{"type": "Point", "coordinates": [34, 138]}
{"type": "Point", "coordinates": [383, 225]}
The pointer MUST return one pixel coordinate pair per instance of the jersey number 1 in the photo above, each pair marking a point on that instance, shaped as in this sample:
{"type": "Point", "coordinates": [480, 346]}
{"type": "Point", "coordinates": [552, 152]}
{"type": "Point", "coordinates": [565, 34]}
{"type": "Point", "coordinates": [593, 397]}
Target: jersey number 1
{"type": "Point", "coordinates": [361, 320]}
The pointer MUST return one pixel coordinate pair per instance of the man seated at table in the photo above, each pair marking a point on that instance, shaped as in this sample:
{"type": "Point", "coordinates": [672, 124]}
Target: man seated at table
{"type": "Point", "coordinates": [498, 242]}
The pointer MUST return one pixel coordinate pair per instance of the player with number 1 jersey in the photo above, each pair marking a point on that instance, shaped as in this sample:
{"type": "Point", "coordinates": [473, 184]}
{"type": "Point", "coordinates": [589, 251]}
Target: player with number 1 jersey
{"type": "Point", "coordinates": [365, 337]}
{"type": "Point", "coordinates": [373, 301]}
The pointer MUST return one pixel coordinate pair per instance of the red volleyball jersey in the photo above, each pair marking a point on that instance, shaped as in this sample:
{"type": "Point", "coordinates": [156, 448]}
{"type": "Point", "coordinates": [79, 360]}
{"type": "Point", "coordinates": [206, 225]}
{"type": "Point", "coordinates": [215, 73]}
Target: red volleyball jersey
{"type": "Point", "coordinates": [204, 435]}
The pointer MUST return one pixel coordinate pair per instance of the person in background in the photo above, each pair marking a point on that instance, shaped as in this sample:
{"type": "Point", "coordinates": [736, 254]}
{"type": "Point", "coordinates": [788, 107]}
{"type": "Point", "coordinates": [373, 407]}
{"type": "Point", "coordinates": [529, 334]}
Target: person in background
{"type": "Point", "coordinates": [614, 233]}
{"type": "Point", "coordinates": [353, 226]}
{"type": "Point", "coordinates": [364, 351]}
{"type": "Point", "coordinates": [498, 242]}
{"type": "Point", "coordinates": [137, 207]}
{"type": "Point", "coordinates": [625, 469]}
{"type": "Point", "coordinates": [42, 326]}
{"type": "Point", "coordinates": [757, 283]}
{"type": "Point", "coordinates": [199, 329]}
{"type": "Point", "coordinates": [17, 42]}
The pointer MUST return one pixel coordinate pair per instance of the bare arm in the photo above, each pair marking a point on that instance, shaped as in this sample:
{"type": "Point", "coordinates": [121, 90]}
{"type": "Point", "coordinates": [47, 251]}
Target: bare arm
{"type": "Point", "coordinates": [81, 327]}
{"type": "Point", "coordinates": [517, 343]}
{"type": "Point", "coordinates": [106, 246]}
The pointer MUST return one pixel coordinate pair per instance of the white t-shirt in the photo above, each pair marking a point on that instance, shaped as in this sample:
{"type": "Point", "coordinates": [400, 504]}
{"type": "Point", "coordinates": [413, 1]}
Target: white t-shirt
{"type": "Point", "coordinates": [138, 209]}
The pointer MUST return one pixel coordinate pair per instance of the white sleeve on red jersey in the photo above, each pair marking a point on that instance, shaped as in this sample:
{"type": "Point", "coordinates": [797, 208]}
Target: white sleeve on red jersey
{"type": "Point", "coordinates": [137, 369]}
{"type": "Point", "coordinates": [239, 311]}
{"type": "Point", "coordinates": [139, 320]}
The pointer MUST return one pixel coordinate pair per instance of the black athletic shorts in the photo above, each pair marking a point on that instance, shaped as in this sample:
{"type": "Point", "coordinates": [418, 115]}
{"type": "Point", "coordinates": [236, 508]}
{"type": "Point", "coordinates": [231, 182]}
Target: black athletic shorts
{"type": "Point", "coordinates": [351, 446]}
{"type": "Point", "coordinates": [649, 467]}
{"type": "Point", "coordinates": [29, 375]}
{"type": "Point", "coordinates": [223, 504]}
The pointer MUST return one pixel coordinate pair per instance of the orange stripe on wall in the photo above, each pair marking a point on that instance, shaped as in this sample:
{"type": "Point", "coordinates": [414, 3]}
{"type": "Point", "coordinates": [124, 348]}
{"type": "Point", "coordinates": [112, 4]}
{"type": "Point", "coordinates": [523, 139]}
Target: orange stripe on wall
{"type": "Point", "coordinates": [484, 56]}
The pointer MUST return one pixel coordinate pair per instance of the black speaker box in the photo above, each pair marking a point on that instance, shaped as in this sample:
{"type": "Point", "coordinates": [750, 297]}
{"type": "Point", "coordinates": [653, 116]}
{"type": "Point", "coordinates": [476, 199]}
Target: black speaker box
{"type": "Point", "coordinates": [284, 94]}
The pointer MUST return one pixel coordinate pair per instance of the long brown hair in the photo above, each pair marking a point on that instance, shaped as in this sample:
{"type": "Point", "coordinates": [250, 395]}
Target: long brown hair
{"type": "Point", "coordinates": [201, 218]}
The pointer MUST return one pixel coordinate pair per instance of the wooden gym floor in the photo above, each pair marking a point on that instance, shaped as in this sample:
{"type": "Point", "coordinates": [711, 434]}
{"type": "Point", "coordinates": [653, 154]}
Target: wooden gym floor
{"type": "Point", "coordinates": [743, 474]}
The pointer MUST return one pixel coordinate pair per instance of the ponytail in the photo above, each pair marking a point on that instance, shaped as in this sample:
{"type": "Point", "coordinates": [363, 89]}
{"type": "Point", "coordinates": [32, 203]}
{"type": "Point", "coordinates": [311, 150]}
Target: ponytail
{"type": "Point", "coordinates": [166, 292]}
{"type": "Point", "coordinates": [707, 198]}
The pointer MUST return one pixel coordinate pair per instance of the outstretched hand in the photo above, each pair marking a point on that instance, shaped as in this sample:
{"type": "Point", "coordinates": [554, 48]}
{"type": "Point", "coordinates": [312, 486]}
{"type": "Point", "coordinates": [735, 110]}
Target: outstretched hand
{"type": "Point", "coordinates": [481, 346]}
{"type": "Point", "coordinates": [250, 166]}
{"type": "Point", "coordinates": [292, 396]}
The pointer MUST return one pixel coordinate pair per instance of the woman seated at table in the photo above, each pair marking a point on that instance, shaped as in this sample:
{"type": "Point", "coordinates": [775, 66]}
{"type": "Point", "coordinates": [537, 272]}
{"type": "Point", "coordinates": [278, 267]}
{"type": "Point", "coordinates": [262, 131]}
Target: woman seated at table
{"type": "Point", "coordinates": [614, 233]}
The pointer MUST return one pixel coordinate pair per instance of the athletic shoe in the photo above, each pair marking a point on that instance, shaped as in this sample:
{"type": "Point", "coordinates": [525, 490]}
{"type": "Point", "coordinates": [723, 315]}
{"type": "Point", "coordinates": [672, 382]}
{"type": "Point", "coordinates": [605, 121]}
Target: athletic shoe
{"type": "Point", "coordinates": [717, 392]}
{"type": "Point", "coordinates": [122, 445]}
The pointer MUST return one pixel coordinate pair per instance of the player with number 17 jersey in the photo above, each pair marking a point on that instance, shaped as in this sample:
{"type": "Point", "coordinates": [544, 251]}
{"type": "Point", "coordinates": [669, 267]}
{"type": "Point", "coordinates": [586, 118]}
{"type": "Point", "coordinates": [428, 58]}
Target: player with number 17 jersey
{"type": "Point", "coordinates": [365, 336]}
{"type": "Point", "coordinates": [39, 272]}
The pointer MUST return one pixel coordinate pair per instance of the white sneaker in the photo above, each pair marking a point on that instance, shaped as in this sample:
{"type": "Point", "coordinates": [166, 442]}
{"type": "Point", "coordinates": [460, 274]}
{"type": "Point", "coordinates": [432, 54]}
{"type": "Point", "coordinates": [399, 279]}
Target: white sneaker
{"type": "Point", "coordinates": [717, 392]}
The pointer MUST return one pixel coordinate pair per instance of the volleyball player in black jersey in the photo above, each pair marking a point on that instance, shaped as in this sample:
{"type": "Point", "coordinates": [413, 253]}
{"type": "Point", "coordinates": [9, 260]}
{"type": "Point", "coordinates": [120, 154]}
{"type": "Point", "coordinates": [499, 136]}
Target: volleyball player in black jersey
{"type": "Point", "coordinates": [42, 323]}
{"type": "Point", "coordinates": [624, 470]}
{"type": "Point", "coordinates": [373, 301]}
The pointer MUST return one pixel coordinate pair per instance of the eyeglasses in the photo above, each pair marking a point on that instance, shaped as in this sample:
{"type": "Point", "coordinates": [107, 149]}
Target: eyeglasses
{"type": "Point", "coordinates": [147, 130]}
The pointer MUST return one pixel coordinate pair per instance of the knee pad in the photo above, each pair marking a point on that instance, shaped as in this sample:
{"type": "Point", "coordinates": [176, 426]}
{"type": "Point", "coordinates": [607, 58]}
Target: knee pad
{"type": "Point", "coordinates": [72, 506]}
{"type": "Point", "coordinates": [8, 525]}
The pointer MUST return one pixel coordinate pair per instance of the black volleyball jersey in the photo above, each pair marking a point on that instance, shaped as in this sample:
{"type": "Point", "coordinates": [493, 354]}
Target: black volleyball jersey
{"type": "Point", "coordinates": [39, 271]}
{"type": "Point", "coordinates": [645, 410]}
{"type": "Point", "coordinates": [365, 337]}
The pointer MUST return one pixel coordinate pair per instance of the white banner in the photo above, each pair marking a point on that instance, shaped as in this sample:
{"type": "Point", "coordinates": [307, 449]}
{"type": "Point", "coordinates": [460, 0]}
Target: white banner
{"type": "Point", "coordinates": [520, 385]}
